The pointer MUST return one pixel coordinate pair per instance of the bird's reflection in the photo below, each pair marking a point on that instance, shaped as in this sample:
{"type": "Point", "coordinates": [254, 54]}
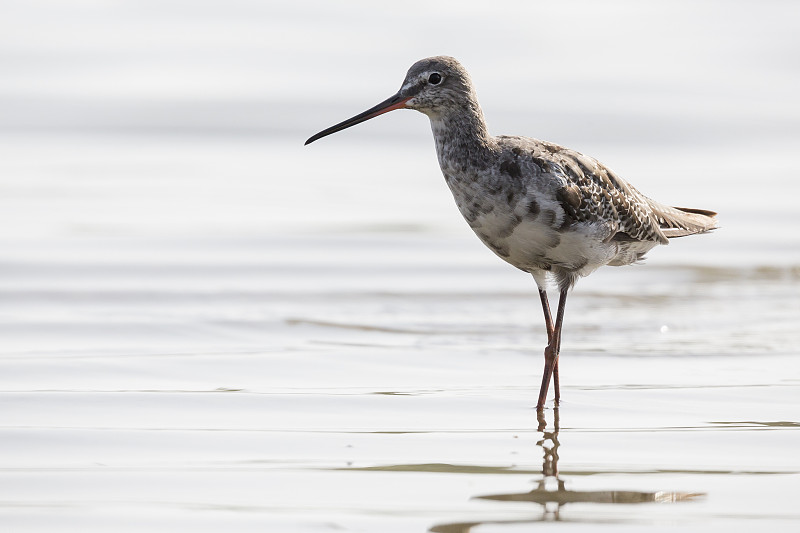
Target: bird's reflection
{"type": "Point", "coordinates": [551, 492]}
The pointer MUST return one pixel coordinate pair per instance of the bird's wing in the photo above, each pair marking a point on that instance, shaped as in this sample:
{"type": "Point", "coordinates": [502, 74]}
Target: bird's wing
{"type": "Point", "coordinates": [593, 193]}
{"type": "Point", "coordinates": [682, 221]}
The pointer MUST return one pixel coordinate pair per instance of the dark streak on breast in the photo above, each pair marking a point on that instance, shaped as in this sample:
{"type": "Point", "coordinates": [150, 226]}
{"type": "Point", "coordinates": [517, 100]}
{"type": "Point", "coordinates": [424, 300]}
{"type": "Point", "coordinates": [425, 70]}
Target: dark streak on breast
{"type": "Point", "coordinates": [511, 168]}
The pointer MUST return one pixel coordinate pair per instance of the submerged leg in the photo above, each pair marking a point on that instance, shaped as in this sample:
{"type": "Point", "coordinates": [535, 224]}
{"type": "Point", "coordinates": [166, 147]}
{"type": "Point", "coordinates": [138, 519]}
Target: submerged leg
{"type": "Point", "coordinates": [551, 352]}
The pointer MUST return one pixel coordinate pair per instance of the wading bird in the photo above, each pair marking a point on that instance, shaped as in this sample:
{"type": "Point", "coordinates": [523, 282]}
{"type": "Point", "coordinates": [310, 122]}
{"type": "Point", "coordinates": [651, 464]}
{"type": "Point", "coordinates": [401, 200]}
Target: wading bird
{"type": "Point", "coordinates": [545, 209]}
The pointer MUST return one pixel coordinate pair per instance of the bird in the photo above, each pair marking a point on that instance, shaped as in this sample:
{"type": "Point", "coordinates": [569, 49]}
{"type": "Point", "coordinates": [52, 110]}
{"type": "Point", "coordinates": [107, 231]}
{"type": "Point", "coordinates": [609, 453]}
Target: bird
{"type": "Point", "coordinates": [547, 210]}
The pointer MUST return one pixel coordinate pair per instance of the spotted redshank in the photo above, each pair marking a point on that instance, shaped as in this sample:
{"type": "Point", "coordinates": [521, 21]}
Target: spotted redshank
{"type": "Point", "coordinates": [545, 209]}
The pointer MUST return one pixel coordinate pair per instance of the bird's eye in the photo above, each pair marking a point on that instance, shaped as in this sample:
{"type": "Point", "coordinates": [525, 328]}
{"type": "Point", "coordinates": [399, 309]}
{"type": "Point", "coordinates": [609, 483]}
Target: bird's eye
{"type": "Point", "coordinates": [435, 78]}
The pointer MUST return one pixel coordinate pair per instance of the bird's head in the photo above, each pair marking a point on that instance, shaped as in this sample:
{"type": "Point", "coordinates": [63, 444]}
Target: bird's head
{"type": "Point", "coordinates": [434, 86]}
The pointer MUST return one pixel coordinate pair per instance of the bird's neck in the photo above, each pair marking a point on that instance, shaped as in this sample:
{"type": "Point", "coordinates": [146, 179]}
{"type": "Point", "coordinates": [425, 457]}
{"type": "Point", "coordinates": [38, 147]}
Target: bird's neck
{"type": "Point", "coordinates": [462, 140]}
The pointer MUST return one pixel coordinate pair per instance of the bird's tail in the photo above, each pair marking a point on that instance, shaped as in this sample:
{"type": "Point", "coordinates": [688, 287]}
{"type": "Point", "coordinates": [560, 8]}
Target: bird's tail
{"type": "Point", "coordinates": [681, 221]}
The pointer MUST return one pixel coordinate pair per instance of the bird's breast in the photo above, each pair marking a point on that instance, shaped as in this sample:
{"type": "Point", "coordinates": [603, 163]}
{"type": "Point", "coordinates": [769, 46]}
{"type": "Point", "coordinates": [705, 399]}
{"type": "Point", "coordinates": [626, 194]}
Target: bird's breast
{"type": "Point", "coordinates": [525, 226]}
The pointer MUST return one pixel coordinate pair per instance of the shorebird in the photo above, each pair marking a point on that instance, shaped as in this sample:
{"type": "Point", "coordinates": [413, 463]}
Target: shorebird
{"type": "Point", "coordinates": [545, 209]}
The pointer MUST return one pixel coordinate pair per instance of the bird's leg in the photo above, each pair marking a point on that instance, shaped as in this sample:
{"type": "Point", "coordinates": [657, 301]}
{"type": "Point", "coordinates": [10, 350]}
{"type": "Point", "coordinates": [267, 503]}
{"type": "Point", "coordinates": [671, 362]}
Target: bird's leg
{"type": "Point", "coordinates": [556, 387]}
{"type": "Point", "coordinates": [562, 301]}
{"type": "Point", "coordinates": [551, 352]}
{"type": "Point", "coordinates": [548, 322]}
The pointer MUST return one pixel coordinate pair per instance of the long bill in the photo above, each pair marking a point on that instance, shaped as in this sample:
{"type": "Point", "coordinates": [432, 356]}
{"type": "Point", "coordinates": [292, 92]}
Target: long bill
{"type": "Point", "coordinates": [390, 104]}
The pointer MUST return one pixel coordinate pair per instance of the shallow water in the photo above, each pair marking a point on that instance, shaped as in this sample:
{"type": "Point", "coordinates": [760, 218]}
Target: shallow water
{"type": "Point", "coordinates": [206, 325]}
{"type": "Point", "coordinates": [384, 381]}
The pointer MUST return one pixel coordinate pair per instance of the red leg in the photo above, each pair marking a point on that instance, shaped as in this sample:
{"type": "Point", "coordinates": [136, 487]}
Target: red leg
{"type": "Point", "coordinates": [548, 322]}
{"type": "Point", "coordinates": [551, 353]}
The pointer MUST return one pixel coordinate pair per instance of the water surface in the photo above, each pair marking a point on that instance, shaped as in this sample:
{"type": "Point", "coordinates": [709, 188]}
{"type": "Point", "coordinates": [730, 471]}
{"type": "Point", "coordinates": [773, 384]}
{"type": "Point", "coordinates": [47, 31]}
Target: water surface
{"type": "Point", "coordinates": [206, 325]}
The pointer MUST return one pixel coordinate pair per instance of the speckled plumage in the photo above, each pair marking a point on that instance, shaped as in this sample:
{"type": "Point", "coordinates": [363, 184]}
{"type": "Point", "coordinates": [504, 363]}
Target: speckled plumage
{"type": "Point", "coordinates": [539, 206]}
{"type": "Point", "coordinates": [543, 208]}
